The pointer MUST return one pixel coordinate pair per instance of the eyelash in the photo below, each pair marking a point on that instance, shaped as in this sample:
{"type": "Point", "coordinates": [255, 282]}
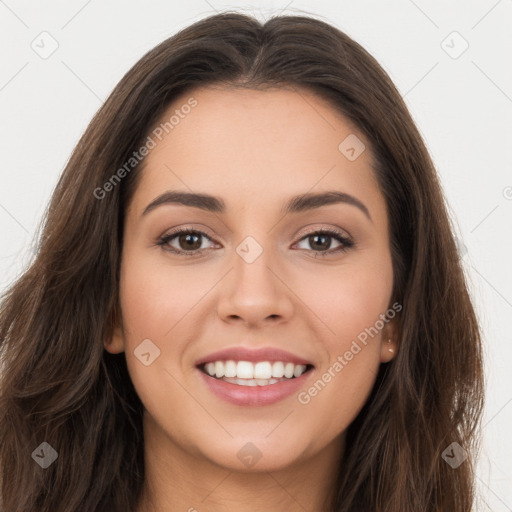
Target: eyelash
{"type": "Point", "coordinates": [337, 235]}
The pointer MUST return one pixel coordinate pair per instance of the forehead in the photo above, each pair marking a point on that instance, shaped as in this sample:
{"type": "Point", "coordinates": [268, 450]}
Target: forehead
{"type": "Point", "coordinates": [255, 146]}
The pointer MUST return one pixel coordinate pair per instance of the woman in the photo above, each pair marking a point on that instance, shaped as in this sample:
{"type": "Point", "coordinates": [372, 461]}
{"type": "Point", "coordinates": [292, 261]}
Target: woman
{"type": "Point", "coordinates": [246, 296]}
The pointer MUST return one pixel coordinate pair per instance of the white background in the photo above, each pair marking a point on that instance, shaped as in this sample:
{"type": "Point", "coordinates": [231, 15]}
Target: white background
{"type": "Point", "coordinates": [462, 106]}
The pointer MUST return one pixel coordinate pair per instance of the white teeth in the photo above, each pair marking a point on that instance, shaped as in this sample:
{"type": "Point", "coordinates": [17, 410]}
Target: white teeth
{"type": "Point", "coordinates": [289, 370]}
{"type": "Point", "coordinates": [278, 370]}
{"type": "Point", "coordinates": [244, 369]}
{"type": "Point", "coordinates": [252, 382]}
{"type": "Point", "coordinates": [230, 369]}
{"type": "Point", "coordinates": [210, 369]}
{"type": "Point", "coordinates": [219, 369]}
{"type": "Point", "coordinates": [298, 370]}
{"type": "Point", "coordinates": [263, 371]}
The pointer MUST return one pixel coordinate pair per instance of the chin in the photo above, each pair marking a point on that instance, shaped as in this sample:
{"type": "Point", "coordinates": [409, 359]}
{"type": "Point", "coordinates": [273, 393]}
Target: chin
{"type": "Point", "coordinates": [254, 454]}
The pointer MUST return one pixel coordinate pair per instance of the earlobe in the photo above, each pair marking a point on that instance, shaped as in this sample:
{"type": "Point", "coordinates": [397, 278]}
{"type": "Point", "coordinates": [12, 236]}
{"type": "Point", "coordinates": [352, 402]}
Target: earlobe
{"type": "Point", "coordinates": [115, 344]}
{"type": "Point", "coordinates": [388, 350]}
{"type": "Point", "coordinates": [115, 341]}
{"type": "Point", "coordinates": [389, 343]}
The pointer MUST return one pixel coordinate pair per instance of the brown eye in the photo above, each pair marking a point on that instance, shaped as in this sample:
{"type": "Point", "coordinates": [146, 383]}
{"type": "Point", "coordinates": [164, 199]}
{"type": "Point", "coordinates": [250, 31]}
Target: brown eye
{"type": "Point", "coordinates": [320, 242]}
{"type": "Point", "coordinates": [188, 242]}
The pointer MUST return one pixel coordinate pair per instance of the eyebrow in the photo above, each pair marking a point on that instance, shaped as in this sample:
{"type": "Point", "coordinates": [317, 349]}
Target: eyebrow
{"type": "Point", "coordinates": [296, 204]}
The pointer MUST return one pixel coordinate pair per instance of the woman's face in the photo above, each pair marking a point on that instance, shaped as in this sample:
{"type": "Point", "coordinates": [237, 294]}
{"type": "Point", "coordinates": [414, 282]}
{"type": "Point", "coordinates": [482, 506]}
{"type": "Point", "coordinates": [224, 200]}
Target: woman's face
{"type": "Point", "coordinates": [265, 279]}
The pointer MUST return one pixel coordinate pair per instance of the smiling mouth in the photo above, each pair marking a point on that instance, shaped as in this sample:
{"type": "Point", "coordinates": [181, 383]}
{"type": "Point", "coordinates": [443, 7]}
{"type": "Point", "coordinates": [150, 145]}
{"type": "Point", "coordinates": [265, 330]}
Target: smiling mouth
{"type": "Point", "coordinates": [246, 373]}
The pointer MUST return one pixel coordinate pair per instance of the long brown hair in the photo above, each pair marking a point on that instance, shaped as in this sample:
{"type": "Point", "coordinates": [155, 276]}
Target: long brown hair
{"type": "Point", "coordinates": [59, 385]}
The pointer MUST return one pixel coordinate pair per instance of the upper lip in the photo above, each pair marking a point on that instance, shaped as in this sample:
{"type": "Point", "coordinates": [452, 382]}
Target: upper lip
{"type": "Point", "coordinates": [270, 354]}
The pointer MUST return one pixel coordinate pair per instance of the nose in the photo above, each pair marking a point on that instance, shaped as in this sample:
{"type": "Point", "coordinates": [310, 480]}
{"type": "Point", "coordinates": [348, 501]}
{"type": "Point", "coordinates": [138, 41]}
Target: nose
{"type": "Point", "coordinates": [255, 293]}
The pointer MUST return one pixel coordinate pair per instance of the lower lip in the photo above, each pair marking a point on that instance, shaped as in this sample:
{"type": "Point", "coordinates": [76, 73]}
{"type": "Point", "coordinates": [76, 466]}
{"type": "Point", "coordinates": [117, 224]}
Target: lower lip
{"type": "Point", "coordinates": [254, 395]}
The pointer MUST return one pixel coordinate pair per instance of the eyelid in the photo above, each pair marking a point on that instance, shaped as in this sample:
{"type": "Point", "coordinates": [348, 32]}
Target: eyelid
{"type": "Point", "coordinates": [330, 229]}
{"type": "Point", "coordinates": [188, 227]}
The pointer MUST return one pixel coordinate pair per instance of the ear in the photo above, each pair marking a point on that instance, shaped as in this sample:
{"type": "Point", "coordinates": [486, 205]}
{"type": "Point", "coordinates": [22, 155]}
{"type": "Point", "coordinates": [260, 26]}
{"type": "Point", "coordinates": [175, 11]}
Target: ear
{"type": "Point", "coordinates": [115, 340]}
{"type": "Point", "coordinates": [389, 341]}
{"type": "Point", "coordinates": [115, 343]}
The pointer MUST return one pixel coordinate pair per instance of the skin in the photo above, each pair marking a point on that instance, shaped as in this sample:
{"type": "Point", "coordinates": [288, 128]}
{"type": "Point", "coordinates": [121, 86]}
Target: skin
{"type": "Point", "coordinates": [253, 149]}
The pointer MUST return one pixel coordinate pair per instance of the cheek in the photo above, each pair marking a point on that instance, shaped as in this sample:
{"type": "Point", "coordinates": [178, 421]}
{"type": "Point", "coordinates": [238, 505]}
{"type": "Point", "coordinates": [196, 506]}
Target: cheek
{"type": "Point", "coordinates": [350, 308]}
{"type": "Point", "coordinates": [349, 302]}
{"type": "Point", "coordinates": [154, 303]}
{"type": "Point", "coordinates": [156, 296]}
{"type": "Point", "coordinates": [158, 303]}
{"type": "Point", "coordinates": [349, 299]}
